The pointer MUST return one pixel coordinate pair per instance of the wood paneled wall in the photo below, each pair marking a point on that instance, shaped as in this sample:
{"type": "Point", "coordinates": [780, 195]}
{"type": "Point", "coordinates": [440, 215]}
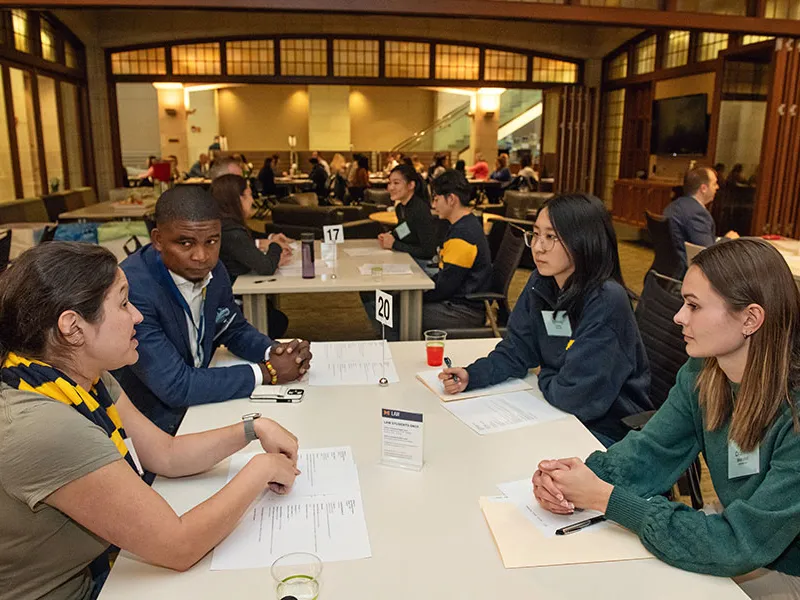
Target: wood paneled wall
{"type": "Point", "coordinates": [778, 195]}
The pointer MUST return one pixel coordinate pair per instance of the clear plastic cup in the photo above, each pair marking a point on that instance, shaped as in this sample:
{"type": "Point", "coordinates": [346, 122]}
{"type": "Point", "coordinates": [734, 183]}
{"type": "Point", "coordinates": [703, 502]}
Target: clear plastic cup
{"type": "Point", "coordinates": [377, 272]}
{"type": "Point", "coordinates": [434, 347]}
{"type": "Point", "coordinates": [297, 575]}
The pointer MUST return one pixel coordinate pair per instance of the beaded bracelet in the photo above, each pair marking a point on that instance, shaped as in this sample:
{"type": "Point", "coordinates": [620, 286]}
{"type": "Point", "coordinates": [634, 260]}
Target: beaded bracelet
{"type": "Point", "coordinates": [272, 373]}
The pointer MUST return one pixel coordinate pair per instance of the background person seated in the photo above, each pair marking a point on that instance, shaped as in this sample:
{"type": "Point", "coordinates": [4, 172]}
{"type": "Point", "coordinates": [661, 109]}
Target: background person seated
{"type": "Point", "coordinates": [185, 297]}
{"type": "Point", "coordinates": [465, 261]}
{"type": "Point", "coordinates": [501, 172]}
{"type": "Point", "coordinates": [238, 252]}
{"type": "Point", "coordinates": [201, 167]}
{"type": "Point", "coordinates": [690, 220]}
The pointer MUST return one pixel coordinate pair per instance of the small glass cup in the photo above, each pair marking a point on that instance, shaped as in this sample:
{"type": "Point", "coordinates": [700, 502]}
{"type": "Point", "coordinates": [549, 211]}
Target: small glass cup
{"type": "Point", "coordinates": [297, 576]}
{"type": "Point", "coordinates": [434, 346]}
{"type": "Point", "coordinates": [377, 272]}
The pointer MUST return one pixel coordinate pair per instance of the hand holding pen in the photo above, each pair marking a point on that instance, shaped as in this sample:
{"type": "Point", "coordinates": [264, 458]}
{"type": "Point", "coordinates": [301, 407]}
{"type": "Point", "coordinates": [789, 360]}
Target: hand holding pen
{"type": "Point", "coordinates": [454, 379]}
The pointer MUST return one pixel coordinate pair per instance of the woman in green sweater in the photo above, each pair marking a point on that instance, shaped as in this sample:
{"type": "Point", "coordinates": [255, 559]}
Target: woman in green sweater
{"type": "Point", "coordinates": [734, 401]}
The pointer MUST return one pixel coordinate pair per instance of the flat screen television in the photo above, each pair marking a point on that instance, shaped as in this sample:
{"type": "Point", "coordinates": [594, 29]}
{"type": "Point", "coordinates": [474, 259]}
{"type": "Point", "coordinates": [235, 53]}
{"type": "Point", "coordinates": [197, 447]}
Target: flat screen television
{"type": "Point", "coordinates": [680, 126]}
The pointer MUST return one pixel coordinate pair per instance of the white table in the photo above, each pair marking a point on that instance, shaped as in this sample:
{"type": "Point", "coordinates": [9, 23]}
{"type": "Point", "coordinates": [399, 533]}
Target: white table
{"type": "Point", "coordinates": [428, 536]}
{"type": "Point", "coordinates": [255, 288]}
{"type": "Point", "coordinates": [790, 250]}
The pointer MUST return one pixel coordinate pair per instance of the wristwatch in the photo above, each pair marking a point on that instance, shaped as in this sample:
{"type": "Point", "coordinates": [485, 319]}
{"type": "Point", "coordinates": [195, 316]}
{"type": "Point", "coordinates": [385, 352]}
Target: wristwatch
{"type": "Point", "coordinates": [249, 426]}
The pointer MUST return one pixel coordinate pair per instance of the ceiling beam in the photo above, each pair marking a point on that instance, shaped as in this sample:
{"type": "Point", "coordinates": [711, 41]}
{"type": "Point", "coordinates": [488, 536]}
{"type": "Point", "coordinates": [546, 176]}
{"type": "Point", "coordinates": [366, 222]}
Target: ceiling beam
{"type": "Point", "coordinates": [488, 9]}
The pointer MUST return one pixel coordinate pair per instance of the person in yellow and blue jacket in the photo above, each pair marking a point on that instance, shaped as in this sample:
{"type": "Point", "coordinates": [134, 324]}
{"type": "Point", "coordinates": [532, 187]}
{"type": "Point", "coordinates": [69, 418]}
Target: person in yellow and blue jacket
{"type": "Point", "coordinates": [574, 321]}
{"type": "Point", "coordinates": [465, 262]}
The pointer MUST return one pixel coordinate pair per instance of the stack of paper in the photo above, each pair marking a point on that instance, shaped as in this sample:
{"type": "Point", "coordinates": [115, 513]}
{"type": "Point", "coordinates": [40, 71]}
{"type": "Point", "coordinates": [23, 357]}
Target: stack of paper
{"type": "Point", "coordinates": [351, 363]}
{"type": "Point", "coordinates": [521, 494]}
{"type": "Point", "coordinates": [431, 381]}
{"type": "Point", "coordinates": [503, 412]}
{"type": "Point", "coordinates": [366, 251]}
{"type": "Point", "coordinates": [388, 269]}
{"type": "Point", "coordinates": [522, 544]}
{"type": "Point", "coordinates": [323, 514]}
{"type": "Point", "coordinates": [295, 268]}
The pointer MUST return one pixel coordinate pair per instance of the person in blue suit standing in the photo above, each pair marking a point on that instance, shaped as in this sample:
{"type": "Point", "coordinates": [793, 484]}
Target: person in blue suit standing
{"type": "Point", "coordinates": [184, 294]}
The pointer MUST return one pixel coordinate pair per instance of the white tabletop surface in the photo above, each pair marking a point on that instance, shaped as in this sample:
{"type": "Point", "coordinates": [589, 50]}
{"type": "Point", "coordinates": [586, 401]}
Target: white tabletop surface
{"type": "Point", "coordinates": [428, 536]}
{"type": "Point", "coordinates": [348, 279]}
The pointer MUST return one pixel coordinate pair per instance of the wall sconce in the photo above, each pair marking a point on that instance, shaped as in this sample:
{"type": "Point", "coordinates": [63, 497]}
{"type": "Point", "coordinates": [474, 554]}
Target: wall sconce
{"type": "Point", "coordinates": [488, 100]}
{"type": "Point", "coordinates": [171, 112]}
{"type": "Point", "coordinates": [292, 141]}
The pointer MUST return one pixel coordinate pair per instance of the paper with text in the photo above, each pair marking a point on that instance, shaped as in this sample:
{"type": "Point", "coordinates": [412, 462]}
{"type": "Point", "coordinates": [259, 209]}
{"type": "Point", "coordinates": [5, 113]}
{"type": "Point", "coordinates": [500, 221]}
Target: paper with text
{"type": "Point", "coordinates": [503, 412]}
{"type": "Point", "coordinates": [366, 251]}
{"type": "Point", "coordinates": [323, 514]}
{"type": "Point", "coordinates": [430, 379]}
{"type": "Point", "coordinates": [388, 269]}
{"type": "Point", "coordinates": [351, 363]}
{"type": "Point", "coordinates": [521, 493]}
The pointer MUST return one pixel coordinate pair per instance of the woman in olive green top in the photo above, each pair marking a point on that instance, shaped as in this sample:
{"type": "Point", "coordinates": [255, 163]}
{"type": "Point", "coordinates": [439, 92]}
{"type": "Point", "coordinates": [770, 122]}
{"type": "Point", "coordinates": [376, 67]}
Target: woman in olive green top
{"type": "Point", "coordinates": [734, 401]}
{"type": "Point", "coordinates": [71, 492]}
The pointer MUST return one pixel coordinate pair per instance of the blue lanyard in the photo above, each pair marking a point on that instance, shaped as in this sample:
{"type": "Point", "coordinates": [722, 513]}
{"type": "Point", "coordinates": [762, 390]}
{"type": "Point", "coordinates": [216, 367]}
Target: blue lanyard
{"type": "Point", "coordinates": [176, 293]}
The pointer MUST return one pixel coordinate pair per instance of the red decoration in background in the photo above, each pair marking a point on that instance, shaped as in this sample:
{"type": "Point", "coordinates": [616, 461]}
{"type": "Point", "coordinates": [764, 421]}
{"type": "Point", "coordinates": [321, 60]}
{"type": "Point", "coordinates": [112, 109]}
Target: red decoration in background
{"type": "Point", "coordinates": [162, 171]}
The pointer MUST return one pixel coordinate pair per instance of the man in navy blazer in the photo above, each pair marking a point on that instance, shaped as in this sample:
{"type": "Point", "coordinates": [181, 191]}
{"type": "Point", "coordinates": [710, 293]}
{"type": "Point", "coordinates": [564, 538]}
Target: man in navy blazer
{"type": "Point", "coordinates": [689, 218]}
{"type": "Point", "coordinates": [184, 294]}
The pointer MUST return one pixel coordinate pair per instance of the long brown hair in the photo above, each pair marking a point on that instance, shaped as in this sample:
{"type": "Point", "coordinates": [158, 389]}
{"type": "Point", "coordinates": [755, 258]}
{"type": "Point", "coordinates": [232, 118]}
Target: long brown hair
{"type": "Point", "coordinates": [227, 190]}
{"type": "Point", "coordinates": [744, 272]}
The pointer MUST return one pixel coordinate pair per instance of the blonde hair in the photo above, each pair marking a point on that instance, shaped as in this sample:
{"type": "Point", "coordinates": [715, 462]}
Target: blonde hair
{"type": "Point", "coordinates": [744, 272]}
{"type": "Point", "coordinates": [337, 164]}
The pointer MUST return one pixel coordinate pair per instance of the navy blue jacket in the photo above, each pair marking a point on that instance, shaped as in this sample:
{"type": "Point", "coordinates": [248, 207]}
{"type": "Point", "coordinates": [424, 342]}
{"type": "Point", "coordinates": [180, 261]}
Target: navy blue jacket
{"type": "Point", "coordinates": [600, 374]}
{"type": "Point", "coordinates": [164, 382]}
{"type": "Point", "coordinates": [690, 222]}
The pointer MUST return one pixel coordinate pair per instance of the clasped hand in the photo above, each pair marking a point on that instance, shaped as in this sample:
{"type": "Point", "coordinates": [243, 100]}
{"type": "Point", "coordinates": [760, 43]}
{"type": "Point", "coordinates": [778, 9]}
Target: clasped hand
{"type": "Point", "coordinates": [291, 360]}
{"type": "Point", "coordinates": [565, 484]}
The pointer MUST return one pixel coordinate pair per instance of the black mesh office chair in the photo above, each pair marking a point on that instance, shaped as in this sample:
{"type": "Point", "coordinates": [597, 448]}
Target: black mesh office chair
{"type": "Point", "coordinates": [5, 249]}
{"type": "Point", "coordinates": [667, 260]}
{"type": "Point", "coordinates": [503, 268]}
{"type": "Point", "coordinates": [666, 353]}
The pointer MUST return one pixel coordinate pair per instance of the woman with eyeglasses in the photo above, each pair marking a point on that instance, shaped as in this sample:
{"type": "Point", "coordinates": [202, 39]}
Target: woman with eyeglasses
{"type": "Point", "coordinates": [574, 321]}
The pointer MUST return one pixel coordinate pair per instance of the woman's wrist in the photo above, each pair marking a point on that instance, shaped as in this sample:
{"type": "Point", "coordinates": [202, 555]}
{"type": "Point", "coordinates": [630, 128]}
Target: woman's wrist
{"type": "Point", "coordinates": [602, 496]}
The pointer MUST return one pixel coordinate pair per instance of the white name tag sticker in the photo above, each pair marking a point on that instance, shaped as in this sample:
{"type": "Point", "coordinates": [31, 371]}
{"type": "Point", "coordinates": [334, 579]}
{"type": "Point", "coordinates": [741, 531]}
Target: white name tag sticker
{"type": "Point", "coordinates": [401, 439]}
{"type": "Point", "coordinates": [742, 464]}
{"type": "Point", "coordinates": [402, 231]}
{"type": "Point", "coordinates": [134, 456]}
{"type": "Point", "coordinates": [333, 234]}
{"type": "Point", "coordinates": [557, 323]}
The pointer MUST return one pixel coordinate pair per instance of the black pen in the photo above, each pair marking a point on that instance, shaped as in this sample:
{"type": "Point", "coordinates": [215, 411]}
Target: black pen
{"type": "Point", "coordinates": [265, 280]}
{"type": "Point", "coordinates": [580, 525]}
{"type": "Point", "coordinates": [450, 366]}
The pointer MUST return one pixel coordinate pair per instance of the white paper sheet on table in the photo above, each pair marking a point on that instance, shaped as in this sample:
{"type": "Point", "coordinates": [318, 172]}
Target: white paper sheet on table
{"type": "Point", "coordinates": [430, 379]}
{"type": "Point", "coordinates": [503, 412]}
{"type": "Point", "coordinates": [323, 514]}
{"type": "Point", "coordinates": [295, 268]}
{"type": "Point", "coordinates": [351, 363]}
{"type": "Point", "coordinates": [365, 251]}
{"type": "Point", "coordinates": [521, 493]}
{"type": "Point", "coordinates": [388, 269]}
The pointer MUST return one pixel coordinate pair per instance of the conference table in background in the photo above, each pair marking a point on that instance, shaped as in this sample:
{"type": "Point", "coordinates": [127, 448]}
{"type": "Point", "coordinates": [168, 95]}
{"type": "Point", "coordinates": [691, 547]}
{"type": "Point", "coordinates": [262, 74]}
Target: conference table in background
{"type": "Point", "coordinates": [428, 537]}
{"type": "Point", "coordinates": [790, 250]}
{"type": "Point", "coordinates": [110, 211]}
{"type": "Point", "coordinates": [254, 289]}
